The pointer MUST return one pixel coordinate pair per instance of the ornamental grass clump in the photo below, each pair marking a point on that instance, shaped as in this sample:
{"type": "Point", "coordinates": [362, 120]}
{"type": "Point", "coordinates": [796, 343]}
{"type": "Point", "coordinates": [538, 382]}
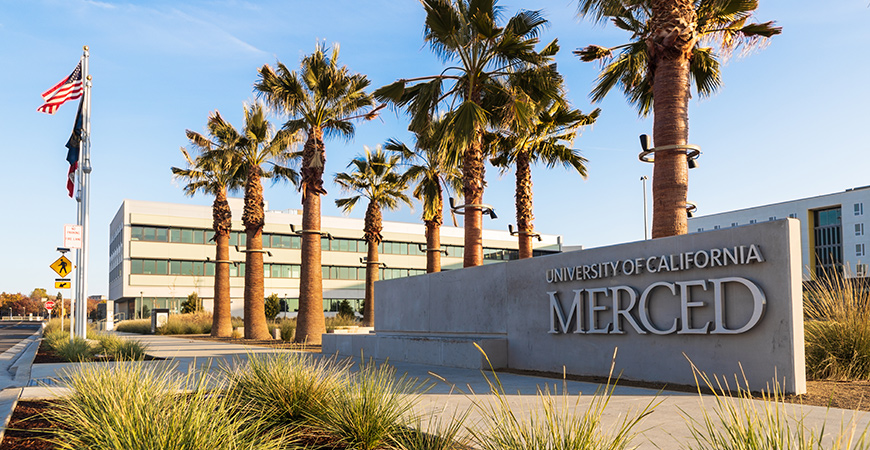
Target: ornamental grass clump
{"type": "Point", "coordinates": [837, 327]}
{"type": "Point", "coordinates": [193, 323]}
{"type": "Point", "coordinates": [139, 326]}
{"type": "Point", "coordinates": [136, 406]}
{"type": "Point", "coordinates": [121, 349]}
{"type": "Point", "coordinates": [284, 388]}
{"type": "Point", "coordinates": [742, 422]}
{"type": "Point", "coordinates": [77, 349]}
{"type": "Point", "coordinates": [556, 425]}
{"type": "Point", "coordinates": [371, 410]}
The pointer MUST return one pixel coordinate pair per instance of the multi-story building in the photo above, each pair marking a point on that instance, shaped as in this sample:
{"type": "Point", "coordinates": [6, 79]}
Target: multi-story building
{"type": "Point", "coordinates": [832, 228]}
{"type": "Point", "coordinates": [159, 253]}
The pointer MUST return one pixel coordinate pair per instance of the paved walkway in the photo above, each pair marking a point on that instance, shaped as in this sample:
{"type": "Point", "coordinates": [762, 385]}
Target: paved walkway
{"type": "Point", "coordinates": [461, 389]}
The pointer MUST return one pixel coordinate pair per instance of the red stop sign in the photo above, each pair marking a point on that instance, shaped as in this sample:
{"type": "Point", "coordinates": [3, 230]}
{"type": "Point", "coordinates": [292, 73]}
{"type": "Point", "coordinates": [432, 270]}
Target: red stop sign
{"type": "Point", "coordinates": [49, 304]}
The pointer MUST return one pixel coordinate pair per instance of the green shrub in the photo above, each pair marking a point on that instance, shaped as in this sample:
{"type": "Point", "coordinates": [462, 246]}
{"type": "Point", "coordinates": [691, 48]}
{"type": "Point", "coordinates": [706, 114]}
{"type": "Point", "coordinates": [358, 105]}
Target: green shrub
{"type": "Point", "coordinates": [140, 326]}
{"type": "Point", "coordinates": [370, 410]}
{"type": "Point", "coordinates": [75, 350]}
{"type": "Point", "coordinates": [283, 388]}
{"type": "Point", "coordinates": [121, 349]}
{"type": "Point", "coordinates": [51, 338]}
{"type": "Point", "coordinates": [344, 309]}
{"type": "Point", "coordinates": [837, 328]}
{"type": "Point", "coordinates": [288, 329]}
{"type": "Point", "coordinates": [272, 306]}
{"type": "Point", "coordinates": [138, 407]}
{"type": "Point", "coordinates": [192, 304]}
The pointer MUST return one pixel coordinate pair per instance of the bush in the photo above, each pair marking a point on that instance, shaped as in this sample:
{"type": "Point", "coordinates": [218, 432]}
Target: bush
{"type": "Point", "coordinates": [837, 329]}
{"type": "Point", "coordinates": [140, 326]}
{"type": "Point", "coordinates": [288, 329]}
{"type": "Point", "coordinates": [138, 407]}
{"type": "Point", "coordinates": [344, 309]}
{"type": "Point", "coordinates": [121, 349]}
{"type": "Point", "coordinates": [76, 350]}
{"type": "Point", "coordinates": [195, 323]}
{"type": "Point", "coordinates": [272, 307]}
{"type": "Point", "coordinates": [283, 388]}
{"type": "Point", "coordinates": [370, 410]}
{"type": "Point", "coordinates": [340, 321]}
{"type": "Point", "coordinates": [192, 304]}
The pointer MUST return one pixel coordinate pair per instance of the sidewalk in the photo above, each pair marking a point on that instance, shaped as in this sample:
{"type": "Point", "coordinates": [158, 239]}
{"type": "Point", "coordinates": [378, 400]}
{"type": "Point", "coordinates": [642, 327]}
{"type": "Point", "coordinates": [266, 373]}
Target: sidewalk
{"type": "Point", "coordinates": [664, 428]}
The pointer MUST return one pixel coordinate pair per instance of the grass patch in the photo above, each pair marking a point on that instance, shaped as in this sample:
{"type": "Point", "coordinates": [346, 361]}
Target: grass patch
{"type": "Point", "coordinates": [557, 424]}
{"type": "Point", "coordinates": [740, 421]}
{"type": "Point", "coordinates": [283, 388]}
{"type": "Point", "coordinates": [121, 349]}
{"type": "Point", "coordinates": [134, 407]}
{"type": "Point", "coordinates": [138, 326]}
{"type": "Point", "coordinates": [340, 321]}
{"type": "Point", "coordinates": [837, 328]}
{"type": "Point", "coordinates": [76, 350]}
{"type": "Point", "coordinates": [193, 323]}
{"type": "Point", "coordinates": [369, 411]}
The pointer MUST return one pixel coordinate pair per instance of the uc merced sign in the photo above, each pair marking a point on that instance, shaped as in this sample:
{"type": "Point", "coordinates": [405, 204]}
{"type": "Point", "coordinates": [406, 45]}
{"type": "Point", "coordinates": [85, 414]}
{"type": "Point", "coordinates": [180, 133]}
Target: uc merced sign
{"type": "Point", "coordinates": [729, 301]}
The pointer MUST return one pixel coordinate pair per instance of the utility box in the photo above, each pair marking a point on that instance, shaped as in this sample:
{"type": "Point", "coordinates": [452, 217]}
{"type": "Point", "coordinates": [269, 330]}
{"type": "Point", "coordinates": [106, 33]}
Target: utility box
{"type": "Point", "coordinates": [159, 318]}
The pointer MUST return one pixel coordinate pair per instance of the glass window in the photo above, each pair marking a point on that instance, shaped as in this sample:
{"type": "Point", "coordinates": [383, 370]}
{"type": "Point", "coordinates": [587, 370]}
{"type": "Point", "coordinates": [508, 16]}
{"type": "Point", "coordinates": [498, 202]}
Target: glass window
{"type": "Point", "coordinates": [149, 234]}
{"type": "Point", "coordinates": [175, 267]}
{"type": "Point", "coordinates": [234, 238]}
{"type": "Point", "coordinates": [859, 250]}
{"type": "Point", "coordinates": [295, 271]}
{"type": "Point", "coordinates": [209, 269]}
{"type": "Point", "coordinates": [859, 209]}
{"type": "Point", "coordinates": [198, 236]}
{"type": "Point", "coordinates": [286, 242]}
{"type": "Point", "coordinates": [344, 273]}
{"type": "Point", "coordinates": [136, 266]}
{"type": "Point", "coordinates": [243, 239]}
{"type": "Point", "coordinates": [160, 267]}
{"type": "Point", "coordinates": [295, 242]}
{"type": "Point", "coordinates": [325, 272]}
{"type": "Point", "coordinates": [162, 235]}
{"type": "Point", "coordinates": [361, 273]}
{"type": "Point", "coordinates": [175, 235]}
{"type": "Point", "coordinates": [148, 266]}
{"type": "Point", "coordinates": [859, 229]}
{"type": "Point", "coordinates": [187, 236]}
{"type": "Point", "coordinates": [234, 270]}
{"type": "Point", "coordinates": [209, 236]}
{"type": "Point", "coordinates": [136, 233]}
{"type": "Point", "coordinates": [324, 244]}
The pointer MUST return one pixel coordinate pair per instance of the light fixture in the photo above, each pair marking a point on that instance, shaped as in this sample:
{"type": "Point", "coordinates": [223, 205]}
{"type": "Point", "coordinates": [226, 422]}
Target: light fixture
{"type": "Point", "coordinates": [302, 232]}
{"type": "Point", "coordinates": [647, 153]}
{"type": "Point", "coordinates": [424, 249]}
{"type": "Point", "coordinates": [515, 233]}
{"type": "Point", "coordinates": [485, 209]}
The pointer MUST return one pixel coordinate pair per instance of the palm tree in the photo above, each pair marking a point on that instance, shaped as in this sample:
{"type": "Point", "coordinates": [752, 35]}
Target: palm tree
{"type": "Point", "coordinates": [432, 176]}
{"type": "Point", "coordinates": [322, 100]}
{"type": "Point", "coordinates": [373, 177]}
{"type": "Point", "coordinates": [666, 54]}
{"type": "Point", "coordinates": [214, 171]}
{"type": "Point", "coordinates": [546, 141]}
{"type": "Point", "coordinates": [466, 33]}
{"type": "Point", "coordinates": [257, 148]}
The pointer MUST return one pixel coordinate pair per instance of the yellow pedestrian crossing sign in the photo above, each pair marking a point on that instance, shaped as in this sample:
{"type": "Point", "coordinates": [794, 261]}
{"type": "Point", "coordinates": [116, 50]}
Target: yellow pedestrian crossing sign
{"type": "Point", "coordinates": [62, 284]}
{"type": "Point", "coordinates": [62, 266]}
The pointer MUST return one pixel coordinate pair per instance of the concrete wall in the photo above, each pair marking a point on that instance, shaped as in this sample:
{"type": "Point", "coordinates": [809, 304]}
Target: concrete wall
{"type": "Point", "coordinates": [510, 300]}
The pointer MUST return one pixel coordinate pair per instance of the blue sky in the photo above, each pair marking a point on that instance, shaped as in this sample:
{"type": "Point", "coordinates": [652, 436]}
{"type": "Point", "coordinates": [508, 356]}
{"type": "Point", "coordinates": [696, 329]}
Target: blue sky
{"type": "Point", "coordinates": [788, 123]}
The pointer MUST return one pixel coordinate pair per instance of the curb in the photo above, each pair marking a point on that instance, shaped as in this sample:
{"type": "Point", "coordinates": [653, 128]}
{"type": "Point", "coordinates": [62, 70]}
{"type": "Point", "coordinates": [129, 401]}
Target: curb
{"type": "Point", "coordinates": [8, 402]}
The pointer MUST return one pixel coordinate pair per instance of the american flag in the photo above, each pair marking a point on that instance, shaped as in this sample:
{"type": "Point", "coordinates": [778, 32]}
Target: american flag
{"type": "Point", "coordinates": [70, 88]}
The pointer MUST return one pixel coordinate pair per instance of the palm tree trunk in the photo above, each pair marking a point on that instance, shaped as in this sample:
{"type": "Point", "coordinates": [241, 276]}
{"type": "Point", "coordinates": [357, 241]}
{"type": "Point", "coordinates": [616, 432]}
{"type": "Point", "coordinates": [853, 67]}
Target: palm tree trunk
{"type": "Point", "coordinates": [473, 179]}
{"type": "Point", "coordinates": [524, 205]}
{"type": "Point", "coordinates": [373, 227]}
{"type": "Point", "coordinates": [433, 246]}
{"type": "Point", "coordinates": [222, 325]}
{"type": "Point", "coordinates": [670, 46]}
{"type": "Point", "coordinates": [310, 321]}
{"type": "Point", "coordinates": [254, 218]}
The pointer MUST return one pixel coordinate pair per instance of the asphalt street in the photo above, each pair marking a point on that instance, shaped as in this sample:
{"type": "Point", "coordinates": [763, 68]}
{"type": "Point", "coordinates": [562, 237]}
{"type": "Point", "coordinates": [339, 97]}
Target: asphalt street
{"type": "Point", "coordinates": [13, 332]}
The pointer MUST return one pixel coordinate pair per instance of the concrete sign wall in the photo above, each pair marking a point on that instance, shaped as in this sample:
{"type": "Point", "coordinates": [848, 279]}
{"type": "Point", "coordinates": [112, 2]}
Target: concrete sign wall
{"type": "Point", "coordinates": [723, 299]}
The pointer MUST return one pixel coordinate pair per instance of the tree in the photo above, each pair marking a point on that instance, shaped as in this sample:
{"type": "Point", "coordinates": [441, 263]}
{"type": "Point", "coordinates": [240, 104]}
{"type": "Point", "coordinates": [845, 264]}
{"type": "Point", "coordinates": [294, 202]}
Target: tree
{"type": "Point", "coordinates": [432, 176]}
{"type": "Point", "coordinates": [192, 304]}
{"type": "Point", "coordinates": [548, 141]}
{"type": "Point", "coordinates": [214, 171]}
{"type": "Point", "coordinates": [272, 306]}
{"type": "Point", "coordinates": [482, 54]}
{"type": "Point", "coordinates": [322, 101]}
{"type": "Point", "coordinates": [257, 148]}
{"type": "Point", "coordinates": [666, 54]}
{"type": "Point", "coordinates": [345, 310]}
{"type": "Point", "coordinates": [374, 177]}
{"type": "Point", "coordinates": [38, 294]}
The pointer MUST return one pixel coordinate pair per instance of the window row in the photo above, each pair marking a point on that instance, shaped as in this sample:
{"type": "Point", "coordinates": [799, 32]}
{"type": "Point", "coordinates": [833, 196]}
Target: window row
{"type": "Point", "coordinates": [206, 268]}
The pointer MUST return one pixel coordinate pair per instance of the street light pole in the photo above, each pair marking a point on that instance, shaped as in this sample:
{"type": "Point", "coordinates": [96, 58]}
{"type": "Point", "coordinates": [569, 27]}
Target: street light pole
{"type": "Point", "coordinates": [645, 226]}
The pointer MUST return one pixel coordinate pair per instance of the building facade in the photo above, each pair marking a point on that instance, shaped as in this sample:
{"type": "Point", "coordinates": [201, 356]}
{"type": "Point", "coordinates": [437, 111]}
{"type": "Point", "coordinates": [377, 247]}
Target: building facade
{"type": "Point", "coordinates": [832, 228]}
{"type": "Point", "coordinates": [159, 253]}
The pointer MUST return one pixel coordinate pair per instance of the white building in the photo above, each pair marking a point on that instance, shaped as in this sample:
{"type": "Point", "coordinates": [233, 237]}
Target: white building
{"type": "Point", "coordinates": [159, 253]}
{"type": "Point", "coordinates": [832, 228]}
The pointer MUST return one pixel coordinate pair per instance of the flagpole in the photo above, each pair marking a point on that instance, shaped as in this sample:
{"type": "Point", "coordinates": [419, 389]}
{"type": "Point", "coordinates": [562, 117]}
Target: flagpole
{"type": "Point", "coordinates": [81, 307]}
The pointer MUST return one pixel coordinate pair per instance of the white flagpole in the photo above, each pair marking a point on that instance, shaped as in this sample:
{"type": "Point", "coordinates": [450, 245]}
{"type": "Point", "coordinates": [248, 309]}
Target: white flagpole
{"type": "Point", "coordinates": [81, 307]}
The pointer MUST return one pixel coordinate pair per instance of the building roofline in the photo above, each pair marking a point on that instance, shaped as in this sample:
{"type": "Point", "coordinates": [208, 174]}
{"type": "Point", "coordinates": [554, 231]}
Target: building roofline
{"type": "Point", "coordinates": [778, 203]}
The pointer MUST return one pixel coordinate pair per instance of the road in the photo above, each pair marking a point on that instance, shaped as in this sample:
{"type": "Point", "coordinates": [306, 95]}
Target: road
{"type": "Point", "coordinates": [12, 332]}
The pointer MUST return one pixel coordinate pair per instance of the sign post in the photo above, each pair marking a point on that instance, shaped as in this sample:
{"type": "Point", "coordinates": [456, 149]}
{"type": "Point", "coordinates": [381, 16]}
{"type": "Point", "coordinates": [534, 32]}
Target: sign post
{"type": "Point", "coordinates": [62, 266]}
